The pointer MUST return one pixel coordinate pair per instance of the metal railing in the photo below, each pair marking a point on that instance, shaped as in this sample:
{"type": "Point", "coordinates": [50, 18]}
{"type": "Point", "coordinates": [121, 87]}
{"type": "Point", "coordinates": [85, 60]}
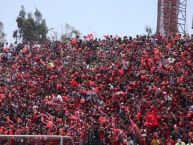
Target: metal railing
{"type": "Point", "coordinates": [25, 139]}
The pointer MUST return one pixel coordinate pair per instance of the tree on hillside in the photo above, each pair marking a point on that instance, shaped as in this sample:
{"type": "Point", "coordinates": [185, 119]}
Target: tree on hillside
{"type": "Point", "coordinates": [16, 35]}
{"type": "Point", "coordinates": [70, 31]}
{"type": "Point", "coordinates": [31, 27]}
{"type": "Point", "coordinates": [2, 34]}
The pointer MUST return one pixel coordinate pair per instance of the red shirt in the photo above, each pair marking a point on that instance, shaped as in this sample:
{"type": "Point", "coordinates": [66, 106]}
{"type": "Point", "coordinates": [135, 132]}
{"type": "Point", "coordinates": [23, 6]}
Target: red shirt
{"type": "Point", "coordinates": [169, 141]}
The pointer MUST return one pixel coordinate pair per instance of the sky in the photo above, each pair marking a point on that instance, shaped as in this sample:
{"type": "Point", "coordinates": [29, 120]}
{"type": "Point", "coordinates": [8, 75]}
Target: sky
{"type": "Point", "coordinates": [100, 17]}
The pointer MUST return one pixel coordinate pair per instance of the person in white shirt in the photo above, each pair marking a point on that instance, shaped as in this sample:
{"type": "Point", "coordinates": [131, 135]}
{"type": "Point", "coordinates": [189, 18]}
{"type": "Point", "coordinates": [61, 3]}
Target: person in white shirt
{"type": "Point", "coordinates": [190, 142]}
{"type": "Point", "coordinates": [180, 142]}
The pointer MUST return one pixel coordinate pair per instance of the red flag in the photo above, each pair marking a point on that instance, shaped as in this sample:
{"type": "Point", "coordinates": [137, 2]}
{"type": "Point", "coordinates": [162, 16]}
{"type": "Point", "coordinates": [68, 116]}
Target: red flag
{"type": "Point", "coordinates": [49, 124]}
{"type": "Point", "coordinates": [89, 36]}
{"type": "Point", "coordinates": [73, 83]}
{"type": "Point", "coordinates": [24, 50]}
{"type": "Point", "coordinates": [102, 120]}
{"type": "Point", "coordinates": [120, 71]}
{"type": "Point", "coordinates": [151, 118]}
{"type": "Point", "coordinates": [59, 120]}
{"type": "Point", "coordinates": [73, 41]}
{"type": "Point", "coordinates": [73, 117]}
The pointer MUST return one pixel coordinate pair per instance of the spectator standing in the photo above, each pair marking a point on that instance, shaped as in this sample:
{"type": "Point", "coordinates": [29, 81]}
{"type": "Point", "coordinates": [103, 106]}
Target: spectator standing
{"type": "Point", "coordinates": [180, 142]}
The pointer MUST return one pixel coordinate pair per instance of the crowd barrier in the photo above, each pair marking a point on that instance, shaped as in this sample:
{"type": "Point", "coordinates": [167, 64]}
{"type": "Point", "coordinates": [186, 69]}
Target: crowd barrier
{"type": "Point", "coordinates": [35, 140]}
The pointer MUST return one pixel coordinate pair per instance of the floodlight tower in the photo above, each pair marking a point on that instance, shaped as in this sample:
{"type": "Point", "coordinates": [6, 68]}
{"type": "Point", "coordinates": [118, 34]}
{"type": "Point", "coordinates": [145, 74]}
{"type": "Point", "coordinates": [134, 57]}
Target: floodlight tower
{"type": "Point", "coordinates": [182, 4]}
{"type": "Point", "coordinates": [171, 17]}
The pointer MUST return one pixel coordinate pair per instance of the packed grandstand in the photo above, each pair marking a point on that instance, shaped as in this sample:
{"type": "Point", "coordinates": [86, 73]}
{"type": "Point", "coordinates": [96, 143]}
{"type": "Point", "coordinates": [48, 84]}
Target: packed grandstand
{"type": "Point", "coordinates": [108, 91]}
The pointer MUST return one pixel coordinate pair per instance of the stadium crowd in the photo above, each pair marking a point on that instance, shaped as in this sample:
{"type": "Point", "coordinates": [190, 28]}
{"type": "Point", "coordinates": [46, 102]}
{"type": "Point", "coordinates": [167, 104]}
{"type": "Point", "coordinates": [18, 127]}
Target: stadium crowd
{"type": "Point", "coordinates": [109, 91]}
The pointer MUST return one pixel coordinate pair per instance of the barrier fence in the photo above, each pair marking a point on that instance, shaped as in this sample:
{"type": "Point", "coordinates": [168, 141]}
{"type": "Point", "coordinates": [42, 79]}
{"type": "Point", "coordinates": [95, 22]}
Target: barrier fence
{"type": "Point", "coordinates": [35, 140]}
